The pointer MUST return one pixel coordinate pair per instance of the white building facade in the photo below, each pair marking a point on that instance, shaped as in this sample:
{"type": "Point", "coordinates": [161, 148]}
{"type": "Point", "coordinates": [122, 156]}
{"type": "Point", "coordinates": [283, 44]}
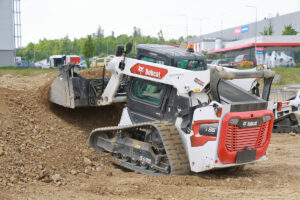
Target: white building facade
{"type": "Point", "coordinates": [7, 43]}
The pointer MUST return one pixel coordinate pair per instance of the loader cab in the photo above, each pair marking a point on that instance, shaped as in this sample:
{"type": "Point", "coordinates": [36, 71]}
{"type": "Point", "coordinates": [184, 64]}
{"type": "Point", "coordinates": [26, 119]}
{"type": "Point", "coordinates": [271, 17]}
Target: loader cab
{"type": "Point", "coordinates": [171, 56]}
{"type": "Point", "coordinates": [150, 101]}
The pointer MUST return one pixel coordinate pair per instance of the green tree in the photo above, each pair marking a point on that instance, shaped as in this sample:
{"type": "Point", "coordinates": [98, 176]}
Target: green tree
{"type": "Point", "coordinates": [137, 32]}
{"type": "Point", "coordinates": [268, 30]}
{"type": "Point", "coordinates": [160, 36]}
{"type": "Point", "coordinates": [29, 51]}
{"type": "Point", "coordinates": [102, 45]}
{"type": "Point", "coordinates": [88, 50]}
{"type": "Point", "coordinates": [289, 30]}
{"type": "Point", "coordinates": [65, 46]}
{"type": "Point", "coordinates": [99, 33]}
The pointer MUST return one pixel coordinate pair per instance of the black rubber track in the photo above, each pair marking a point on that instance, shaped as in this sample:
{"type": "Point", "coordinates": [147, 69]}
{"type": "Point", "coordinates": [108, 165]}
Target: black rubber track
{"type": "Point", "coordinates": [177, 157]}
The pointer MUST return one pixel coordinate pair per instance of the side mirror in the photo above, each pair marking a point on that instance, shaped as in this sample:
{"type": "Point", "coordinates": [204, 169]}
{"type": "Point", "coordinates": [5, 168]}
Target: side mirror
{"type": "Point", "coordinates": [119, 50]}
{"type": "Point", "coordinates": [128, 47]}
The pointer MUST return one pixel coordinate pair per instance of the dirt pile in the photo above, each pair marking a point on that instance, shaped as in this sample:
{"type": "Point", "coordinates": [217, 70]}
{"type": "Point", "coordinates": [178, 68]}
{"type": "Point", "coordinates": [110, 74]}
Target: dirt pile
{"type": "Point", "coordinates": [94, 73]}
{"type": "Point", "coordinates": [40, 141]}
{"type": "Point", "coordinates": [25, 83]}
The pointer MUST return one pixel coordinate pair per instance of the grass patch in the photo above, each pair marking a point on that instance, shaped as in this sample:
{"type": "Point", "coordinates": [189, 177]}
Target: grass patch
{"type": "Point", "coordinates": [288, 75]}
{"type": "Point", "coordinates": [24, 71]}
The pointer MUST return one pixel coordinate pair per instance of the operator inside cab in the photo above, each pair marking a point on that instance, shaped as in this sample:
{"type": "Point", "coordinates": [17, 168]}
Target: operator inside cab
{"type": "Point", "coordinates": [172, 56]}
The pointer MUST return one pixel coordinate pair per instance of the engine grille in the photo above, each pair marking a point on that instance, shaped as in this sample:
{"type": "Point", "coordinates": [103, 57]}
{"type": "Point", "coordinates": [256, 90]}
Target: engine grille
{"type": "Point", "coordinates": [238, 138]}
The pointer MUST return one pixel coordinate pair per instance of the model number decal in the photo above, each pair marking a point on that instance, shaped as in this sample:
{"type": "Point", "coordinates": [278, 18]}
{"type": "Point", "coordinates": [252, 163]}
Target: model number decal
{"type": "Point", "coordinates": [210, 129]}
{"type": "Point", "coordinates": [198, 81]}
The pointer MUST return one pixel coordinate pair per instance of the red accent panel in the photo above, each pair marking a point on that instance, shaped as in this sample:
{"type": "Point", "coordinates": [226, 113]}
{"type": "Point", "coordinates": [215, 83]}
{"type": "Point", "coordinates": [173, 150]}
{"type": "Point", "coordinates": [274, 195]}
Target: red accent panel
{"type": "Point", "coordinates": [234, 139]}
{"type": "Point", "coordinates": [253, 45]}
{"type": "Point", "coordinates": [285, 103]}
{"type": "Point", "coordinates": [75, 60]}
{"type": "Point", "coordinates": [279, 106]}
{"type": "Point", "coordinates": [150, 71]}
{"type": "Point", "coordinates": [199, 140]}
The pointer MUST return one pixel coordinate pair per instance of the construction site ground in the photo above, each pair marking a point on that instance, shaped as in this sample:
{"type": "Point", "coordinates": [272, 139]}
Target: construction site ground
{"type": "Point", "coordinates": [44, 154]}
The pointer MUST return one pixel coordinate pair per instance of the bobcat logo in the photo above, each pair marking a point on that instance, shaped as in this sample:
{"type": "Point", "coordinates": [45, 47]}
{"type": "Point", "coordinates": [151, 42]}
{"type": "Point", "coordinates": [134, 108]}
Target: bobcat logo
{"type": "Point", "coordinates": [141, 69]}
{"type": "Point", "coordinates": [250, 124]}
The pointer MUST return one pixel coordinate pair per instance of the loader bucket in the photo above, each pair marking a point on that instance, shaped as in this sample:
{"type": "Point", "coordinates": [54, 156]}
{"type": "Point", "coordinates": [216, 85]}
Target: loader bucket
{"type": "Point", "coordinates": [71, 90]}
{"type": "Point", "coordinates": [61, 93]}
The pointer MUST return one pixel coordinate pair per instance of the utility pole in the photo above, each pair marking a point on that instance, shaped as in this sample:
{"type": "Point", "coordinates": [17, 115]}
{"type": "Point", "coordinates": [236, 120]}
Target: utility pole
{"type": "Point", "coordinates": [166, 26]}
{"type": "Point", "coordinates": [186, 26]}
{"type": "Point", "coordinates": [201, 19]}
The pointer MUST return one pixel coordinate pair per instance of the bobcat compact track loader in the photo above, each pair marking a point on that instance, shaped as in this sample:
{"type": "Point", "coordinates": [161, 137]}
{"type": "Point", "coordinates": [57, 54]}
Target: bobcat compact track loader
{"type": "Point", "coordinates": [175, 120]}
{"type": "Point", "coordinates": [71, 90]}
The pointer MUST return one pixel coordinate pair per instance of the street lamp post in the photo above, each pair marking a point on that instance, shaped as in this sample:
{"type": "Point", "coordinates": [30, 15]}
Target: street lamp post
{"type": "Point", "coordinates": [255, 34]}
{"type": "Point", "coordinates": [221, 24]}
{"type": "Point", "coordinates": [186, 26]}
{"type": "Point", "coordinates": [201, 20]}
{"type": "Point", "coordinates": [166, 26]}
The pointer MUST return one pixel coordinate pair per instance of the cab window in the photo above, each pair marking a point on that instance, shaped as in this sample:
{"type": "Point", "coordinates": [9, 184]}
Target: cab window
{"type": "Point", "coordinates": [194, 65]}
{"type": "Point", "coordinates": [153, 60]}
{"type": "Point", "coordinates": [147, 92]}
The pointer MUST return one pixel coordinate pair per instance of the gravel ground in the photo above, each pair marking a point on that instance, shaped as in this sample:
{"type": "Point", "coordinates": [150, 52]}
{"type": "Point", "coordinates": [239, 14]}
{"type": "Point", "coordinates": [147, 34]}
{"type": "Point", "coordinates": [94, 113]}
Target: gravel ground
{"type": "Point", "coordinates": [44, 154]}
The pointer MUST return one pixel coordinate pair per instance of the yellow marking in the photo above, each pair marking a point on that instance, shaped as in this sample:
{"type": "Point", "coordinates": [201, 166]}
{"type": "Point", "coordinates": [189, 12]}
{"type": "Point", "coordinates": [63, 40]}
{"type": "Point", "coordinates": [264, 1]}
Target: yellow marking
{"type": "Point", "coordinates": [137, 146]}
{"type": "Point", "coordinates": [197, 90]}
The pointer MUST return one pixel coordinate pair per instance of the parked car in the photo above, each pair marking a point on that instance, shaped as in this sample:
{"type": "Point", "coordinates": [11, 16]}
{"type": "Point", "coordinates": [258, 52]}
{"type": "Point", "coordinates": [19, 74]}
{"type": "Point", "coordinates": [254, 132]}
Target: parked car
{"type": "Point", "coordinates": [209, 61]}
{"type": "Point", "coordinates": [244, 60]}
{"type": "Point", "coordinates": [24, 64]}
{"type": "Point", "coordinates": [222, 62]}
{"type": "Point", "coordinates": [108, 59]}
{"type": "Point", "coordinates": [99, 62]}
{"type": "Point", "coordinates": [83, 65]}
{"type": "Point", "coordinates": [42, 64]}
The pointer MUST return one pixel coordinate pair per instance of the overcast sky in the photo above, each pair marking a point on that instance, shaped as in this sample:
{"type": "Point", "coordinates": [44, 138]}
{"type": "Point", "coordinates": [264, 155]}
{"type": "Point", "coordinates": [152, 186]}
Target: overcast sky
{"type": "Point", "coordinates": [53, 19]}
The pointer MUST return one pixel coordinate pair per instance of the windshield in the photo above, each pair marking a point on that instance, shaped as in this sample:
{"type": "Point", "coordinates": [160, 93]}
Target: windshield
{"type": "Point", "coordinates": [195, 65]}
{"type": "Point", "coordinates": [153, 60]}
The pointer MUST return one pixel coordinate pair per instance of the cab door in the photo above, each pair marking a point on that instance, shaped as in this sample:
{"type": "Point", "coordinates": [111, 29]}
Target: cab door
{"type": "Point", "coordinates": [146, 100]}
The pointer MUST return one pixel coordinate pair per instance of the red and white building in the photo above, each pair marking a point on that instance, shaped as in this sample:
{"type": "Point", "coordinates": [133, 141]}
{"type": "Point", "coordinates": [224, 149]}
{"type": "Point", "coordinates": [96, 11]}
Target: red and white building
{"type": "Point", "coordinates": [274, 51]}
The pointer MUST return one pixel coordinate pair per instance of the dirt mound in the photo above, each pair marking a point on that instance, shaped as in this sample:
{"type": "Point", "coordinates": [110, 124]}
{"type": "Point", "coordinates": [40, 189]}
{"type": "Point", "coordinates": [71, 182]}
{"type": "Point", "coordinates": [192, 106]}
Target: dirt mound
{"type": "Point", "coordinates": [94, 73]}
{"type": "Point", "coordinates": [41, 141]}
{"type": "Point", "coordinates": [25, 83]}
{"type": "Point", "coordinates": [43, 90]}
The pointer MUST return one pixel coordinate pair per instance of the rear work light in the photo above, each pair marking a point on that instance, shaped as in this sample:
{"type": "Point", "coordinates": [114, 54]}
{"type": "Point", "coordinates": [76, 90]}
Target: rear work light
{"type": "Point", "coordinates": [279, 106]}
{"type": "Point", "coordinates": [219, 112]}
{"type": "Point", "coordinates": [204, 131]}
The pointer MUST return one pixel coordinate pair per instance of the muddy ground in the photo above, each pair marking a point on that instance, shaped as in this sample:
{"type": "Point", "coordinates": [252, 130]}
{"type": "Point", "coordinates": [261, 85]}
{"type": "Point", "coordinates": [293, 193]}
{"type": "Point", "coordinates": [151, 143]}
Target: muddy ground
{"type": "Point", "coordinates": [44, 154]}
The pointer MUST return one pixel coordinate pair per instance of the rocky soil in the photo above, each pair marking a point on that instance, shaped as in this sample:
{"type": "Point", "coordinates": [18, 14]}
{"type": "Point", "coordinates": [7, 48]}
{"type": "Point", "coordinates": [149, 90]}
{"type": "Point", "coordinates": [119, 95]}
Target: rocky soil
{"type": "Point", "coordinates": [44, 154]}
